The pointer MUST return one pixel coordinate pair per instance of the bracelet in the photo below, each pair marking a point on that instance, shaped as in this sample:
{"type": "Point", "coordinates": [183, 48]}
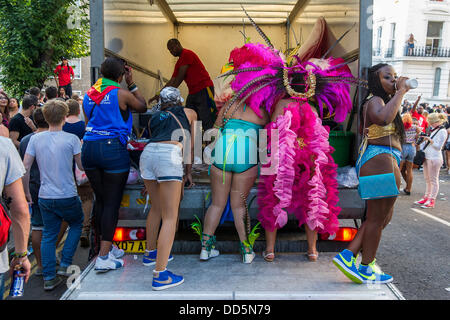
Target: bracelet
{"type": "Point", "coordinates": [132, 84]}
{"type": "Point", "coordinates": [216, 126]}
{"type": "Point", "coordinates": [134, 89]}
{"type": "Point", "coordinates": [20, 255]}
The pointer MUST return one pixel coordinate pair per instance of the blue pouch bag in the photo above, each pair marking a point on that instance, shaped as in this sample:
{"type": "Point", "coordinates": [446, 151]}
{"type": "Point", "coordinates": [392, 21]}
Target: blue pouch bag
{"type": "Point", "coordinates": [378, 186]}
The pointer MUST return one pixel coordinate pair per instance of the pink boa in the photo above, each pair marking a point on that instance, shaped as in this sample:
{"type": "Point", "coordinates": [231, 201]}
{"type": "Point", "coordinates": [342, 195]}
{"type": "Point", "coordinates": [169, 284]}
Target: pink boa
{"type": "Point", "coordinates": [309, 173]}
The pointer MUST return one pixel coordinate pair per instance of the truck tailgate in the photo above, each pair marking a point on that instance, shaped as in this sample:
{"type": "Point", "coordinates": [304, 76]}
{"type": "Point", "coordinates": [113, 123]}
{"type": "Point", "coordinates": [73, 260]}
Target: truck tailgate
{"type": "Point", "coordinates": [290, 277]}
{"type": "Point", "coordinates": [133, 211]}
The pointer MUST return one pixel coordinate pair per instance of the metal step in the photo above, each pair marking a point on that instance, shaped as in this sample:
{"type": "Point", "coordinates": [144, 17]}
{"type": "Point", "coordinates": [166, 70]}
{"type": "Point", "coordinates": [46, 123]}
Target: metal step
{"type": "Point", "coordinates": [291, 276]}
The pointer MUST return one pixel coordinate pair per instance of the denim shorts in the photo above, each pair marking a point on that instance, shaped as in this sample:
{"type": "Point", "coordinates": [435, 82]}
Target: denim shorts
{"type": "Point", "coordinates": [161, 162]}
{"type": "Point", "coordinates": [408, 152]}
{"type": "Point", "coordinates": [37, 224]}
{"type": "Point", "coordinates": [447, 146]}
{"type": "Point", "coordinates": [109, 155]}
{"type": "Point", "coordinates": [374, 150]}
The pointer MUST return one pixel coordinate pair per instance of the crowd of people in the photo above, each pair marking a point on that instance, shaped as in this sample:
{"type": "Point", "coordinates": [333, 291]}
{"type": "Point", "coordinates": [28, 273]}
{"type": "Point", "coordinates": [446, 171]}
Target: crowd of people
{"type": "Point", "coordinates": [90, 134]}
{"type": "Point", "coordinates": [427, 129]}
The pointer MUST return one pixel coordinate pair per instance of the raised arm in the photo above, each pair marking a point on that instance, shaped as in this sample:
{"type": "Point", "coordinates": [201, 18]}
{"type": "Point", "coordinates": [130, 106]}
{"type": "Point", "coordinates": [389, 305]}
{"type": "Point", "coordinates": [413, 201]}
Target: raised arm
{"type": "Point", "coordinates": [382, 114]}
{"type": "Point", "coordinates": [416, 104]}
{"type": "Point", "coordinates": [134, 100]}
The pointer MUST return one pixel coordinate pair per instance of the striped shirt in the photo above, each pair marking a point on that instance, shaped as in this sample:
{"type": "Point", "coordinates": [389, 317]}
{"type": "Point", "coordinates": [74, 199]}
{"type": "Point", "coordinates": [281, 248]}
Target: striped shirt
{"type": "Point", "coordinates": [411, 134]}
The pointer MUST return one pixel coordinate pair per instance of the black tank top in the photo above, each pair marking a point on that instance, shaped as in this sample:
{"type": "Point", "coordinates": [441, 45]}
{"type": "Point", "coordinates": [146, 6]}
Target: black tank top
{"type": "Point", "coordinates": [163, 124]}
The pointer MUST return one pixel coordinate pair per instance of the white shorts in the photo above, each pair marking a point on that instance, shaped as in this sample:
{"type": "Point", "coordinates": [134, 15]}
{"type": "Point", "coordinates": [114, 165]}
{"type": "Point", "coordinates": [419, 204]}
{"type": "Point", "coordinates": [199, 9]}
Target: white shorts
{"type": "Point", "coordinates": [161, 162]}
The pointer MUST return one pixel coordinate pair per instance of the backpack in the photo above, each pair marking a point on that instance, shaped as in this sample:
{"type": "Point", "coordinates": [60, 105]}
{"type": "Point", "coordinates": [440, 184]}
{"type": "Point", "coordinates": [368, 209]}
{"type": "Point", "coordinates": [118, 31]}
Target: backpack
{"type": "Point", "coordinates": [5, 224]}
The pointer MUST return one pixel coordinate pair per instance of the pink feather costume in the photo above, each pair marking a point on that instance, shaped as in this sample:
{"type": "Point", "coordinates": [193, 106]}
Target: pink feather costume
{"type": "Point", "coordinates": [305, 180]}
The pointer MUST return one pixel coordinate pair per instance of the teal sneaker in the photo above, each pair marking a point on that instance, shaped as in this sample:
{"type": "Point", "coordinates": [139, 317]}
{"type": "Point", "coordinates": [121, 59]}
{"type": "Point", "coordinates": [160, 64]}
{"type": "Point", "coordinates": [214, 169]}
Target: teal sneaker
{"type": "Point", "coordinates": [371, 274]}
{"type": "Point", "coordinates": [346, 262]}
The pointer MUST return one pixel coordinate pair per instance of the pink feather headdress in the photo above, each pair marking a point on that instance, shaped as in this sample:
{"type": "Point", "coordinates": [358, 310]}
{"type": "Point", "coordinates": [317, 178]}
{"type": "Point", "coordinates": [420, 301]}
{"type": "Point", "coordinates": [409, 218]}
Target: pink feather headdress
{"type": "Point", "coordinates": [259, 80]}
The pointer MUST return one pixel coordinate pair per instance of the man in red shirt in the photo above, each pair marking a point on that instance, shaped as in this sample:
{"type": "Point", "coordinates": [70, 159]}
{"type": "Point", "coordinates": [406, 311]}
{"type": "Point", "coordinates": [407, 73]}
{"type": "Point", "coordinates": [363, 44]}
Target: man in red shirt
{"type": "Point", "coordinates": [201, 88]}
{"type": "Point", "coordinates": [423, 124]}
{"type": "Point", "coordinates": [64, 76]}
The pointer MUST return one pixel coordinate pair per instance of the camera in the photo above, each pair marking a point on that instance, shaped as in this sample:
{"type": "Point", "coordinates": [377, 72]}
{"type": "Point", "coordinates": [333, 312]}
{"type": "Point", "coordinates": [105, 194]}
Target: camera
{"type": "Point", "coordinates": [420, 139]}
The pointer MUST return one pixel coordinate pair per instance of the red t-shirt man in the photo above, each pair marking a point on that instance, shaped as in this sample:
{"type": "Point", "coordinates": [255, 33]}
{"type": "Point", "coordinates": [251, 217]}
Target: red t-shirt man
{"type": "Point", "coordinates": [423, 124]}
{"type": "Point", "coordinates": [63, 73]}
{"type": "Point", "coordinates": [191, 70]}
{"type": "Point", "coordinates": [196, 78]}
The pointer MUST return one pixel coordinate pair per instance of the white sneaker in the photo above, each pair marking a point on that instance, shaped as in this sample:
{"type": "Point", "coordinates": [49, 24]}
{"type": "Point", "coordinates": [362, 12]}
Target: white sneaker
{"type": "Point", "coordinates": [206, 255]}
{"type": "Point", "coordinates": [112, 263]}
{"type": "Point", "coordinates": [117, 253]}
{"type": "Point", "coordinates": [248, 257]}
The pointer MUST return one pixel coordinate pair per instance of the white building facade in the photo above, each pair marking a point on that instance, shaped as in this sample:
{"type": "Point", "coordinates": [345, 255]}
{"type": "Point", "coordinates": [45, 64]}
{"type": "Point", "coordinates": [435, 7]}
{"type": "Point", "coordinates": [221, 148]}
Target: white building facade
{"type": "Point", "coordinates": [429, 60]}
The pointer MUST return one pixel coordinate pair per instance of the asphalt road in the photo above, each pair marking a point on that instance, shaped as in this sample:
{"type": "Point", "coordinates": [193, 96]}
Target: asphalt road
{"type": "Point", "coordinates": [415, 249]}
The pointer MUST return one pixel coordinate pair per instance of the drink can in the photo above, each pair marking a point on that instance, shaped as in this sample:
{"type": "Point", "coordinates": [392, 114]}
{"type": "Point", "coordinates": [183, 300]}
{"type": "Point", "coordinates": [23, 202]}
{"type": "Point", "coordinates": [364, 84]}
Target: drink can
{"type": "Point", "coordinates": [412, 83]}
{"type": "Point", "coordinates": [17, 283]}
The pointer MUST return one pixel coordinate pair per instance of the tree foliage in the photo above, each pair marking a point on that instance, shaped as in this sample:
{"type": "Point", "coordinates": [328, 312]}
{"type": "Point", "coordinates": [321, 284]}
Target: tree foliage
{"type": "Point", "coordinates": [34, 35]}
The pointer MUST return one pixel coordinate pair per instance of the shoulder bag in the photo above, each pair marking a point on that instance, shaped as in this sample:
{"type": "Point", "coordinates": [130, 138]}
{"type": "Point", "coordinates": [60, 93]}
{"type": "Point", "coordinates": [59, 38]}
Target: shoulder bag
{"type": "Point", "coordinates": [377, 186]}
{"type": "Point", "coordinates": [419, 159]}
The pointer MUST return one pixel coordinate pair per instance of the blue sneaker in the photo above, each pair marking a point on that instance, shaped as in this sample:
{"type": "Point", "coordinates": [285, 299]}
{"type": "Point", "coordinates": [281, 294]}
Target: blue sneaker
{"type": "Point", "coordinates": [150, 258]}
{"type": "Point", "coordinates": [371, 274]}
{"type": "Point", "coordinates": [165, 280]}
{"type": "Point", "coordinates": [346, 262]}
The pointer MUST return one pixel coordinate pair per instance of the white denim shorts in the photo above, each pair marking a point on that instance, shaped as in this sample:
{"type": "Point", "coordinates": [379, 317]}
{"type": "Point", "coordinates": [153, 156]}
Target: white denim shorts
{"type": "Point", "coordinates": [161, 162]}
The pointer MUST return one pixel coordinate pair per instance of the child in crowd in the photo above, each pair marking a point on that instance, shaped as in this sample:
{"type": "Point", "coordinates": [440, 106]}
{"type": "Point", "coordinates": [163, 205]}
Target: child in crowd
{"type": "Point", "coordinates": [73, 122]}
{"type": "Point", "coordinates": [54, 151]}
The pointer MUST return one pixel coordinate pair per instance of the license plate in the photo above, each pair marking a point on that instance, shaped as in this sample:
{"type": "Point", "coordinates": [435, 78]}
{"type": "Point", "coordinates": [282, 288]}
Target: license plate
{"type": "Point", "coordinates": [132, 246]}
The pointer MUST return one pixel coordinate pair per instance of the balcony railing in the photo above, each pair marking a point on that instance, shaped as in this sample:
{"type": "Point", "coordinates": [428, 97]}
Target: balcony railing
{"type": "Point", "coordinates": [386, 53]}
{"type": "Point", "coordinates": [427, 51]}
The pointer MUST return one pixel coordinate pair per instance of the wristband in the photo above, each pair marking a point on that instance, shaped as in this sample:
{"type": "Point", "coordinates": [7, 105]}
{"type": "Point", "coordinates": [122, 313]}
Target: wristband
{"type": "Point", "coordinates": [20, 255]}
{"type": "Point", "coordinates": [134, 89]}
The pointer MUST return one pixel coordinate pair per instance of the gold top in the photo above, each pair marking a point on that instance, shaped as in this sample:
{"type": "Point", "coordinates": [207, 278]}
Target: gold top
{"type": "Point", "coordinates": [376, 131]}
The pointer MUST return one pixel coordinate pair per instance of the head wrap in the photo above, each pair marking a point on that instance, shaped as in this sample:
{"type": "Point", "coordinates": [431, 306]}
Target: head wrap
{"type": "Point", "coordinates": [170, 95]}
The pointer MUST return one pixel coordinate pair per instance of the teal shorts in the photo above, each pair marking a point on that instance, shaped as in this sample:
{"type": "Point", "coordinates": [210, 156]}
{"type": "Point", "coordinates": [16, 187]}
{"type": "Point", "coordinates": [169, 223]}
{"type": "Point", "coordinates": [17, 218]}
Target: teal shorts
{"type": "Point", "coordinates": [236, 149]}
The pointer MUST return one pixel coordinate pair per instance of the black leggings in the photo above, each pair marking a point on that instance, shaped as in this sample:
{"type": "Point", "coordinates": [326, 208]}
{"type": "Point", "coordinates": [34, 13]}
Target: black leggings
{"type": "Point", "coordinates": [108, 189]}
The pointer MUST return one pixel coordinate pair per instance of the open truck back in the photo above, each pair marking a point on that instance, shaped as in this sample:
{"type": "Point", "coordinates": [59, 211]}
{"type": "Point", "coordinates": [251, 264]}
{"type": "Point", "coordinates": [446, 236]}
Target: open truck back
{"type": "Point", "coordinates": [137, 31]}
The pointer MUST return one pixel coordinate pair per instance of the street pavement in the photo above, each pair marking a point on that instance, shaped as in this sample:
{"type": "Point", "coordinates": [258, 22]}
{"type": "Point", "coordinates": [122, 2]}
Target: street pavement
{"type": "Point", "coordinates": [414, 249]}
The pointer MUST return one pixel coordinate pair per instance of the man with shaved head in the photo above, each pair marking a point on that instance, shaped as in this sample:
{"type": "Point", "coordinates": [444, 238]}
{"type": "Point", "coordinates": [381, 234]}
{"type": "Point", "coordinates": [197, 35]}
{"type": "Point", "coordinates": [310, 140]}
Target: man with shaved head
{"type": "Point", "coordinates": [191, 70]}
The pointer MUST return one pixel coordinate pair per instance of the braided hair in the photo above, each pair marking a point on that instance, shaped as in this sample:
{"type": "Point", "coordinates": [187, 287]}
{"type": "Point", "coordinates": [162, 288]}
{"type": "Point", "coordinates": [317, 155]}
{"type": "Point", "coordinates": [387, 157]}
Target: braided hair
{"type": "Point", "coordinates": [376, 89]}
